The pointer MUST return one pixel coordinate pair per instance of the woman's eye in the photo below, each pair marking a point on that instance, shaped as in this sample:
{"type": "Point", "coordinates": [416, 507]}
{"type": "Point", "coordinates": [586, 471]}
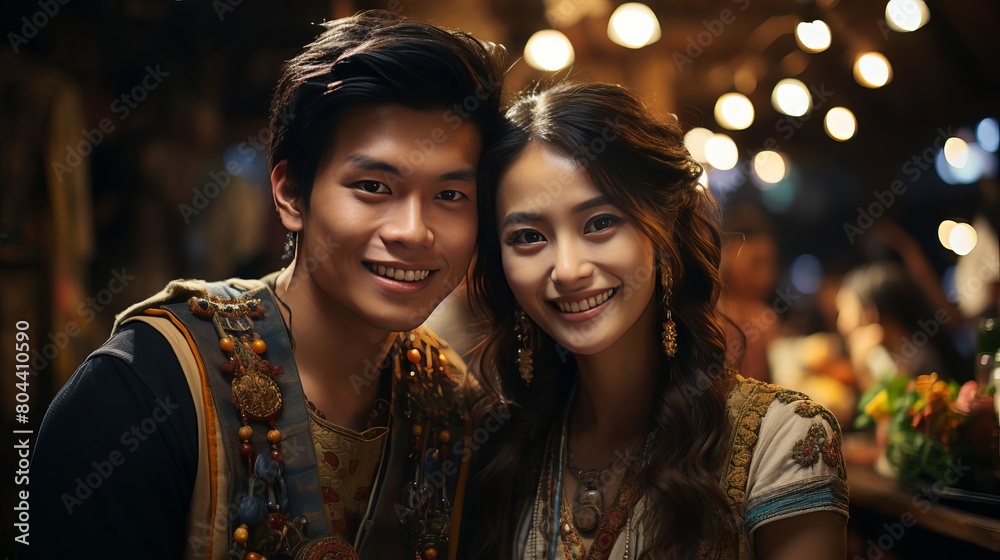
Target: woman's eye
{"type": "Point", "coordinates": [451, 195]}
{"type": "Point", "coordinates": [525, 237]}
{"type": "Point", "coordinates": [374, 187]}
{"type": "Point", "coordinates": [601, 223]}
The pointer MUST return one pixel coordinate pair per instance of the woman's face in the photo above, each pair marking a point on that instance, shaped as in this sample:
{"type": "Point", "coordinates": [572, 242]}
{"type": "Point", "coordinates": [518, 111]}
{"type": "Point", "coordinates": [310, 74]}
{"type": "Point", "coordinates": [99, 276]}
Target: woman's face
{"type": "Point", "coordinates": [577, 266]}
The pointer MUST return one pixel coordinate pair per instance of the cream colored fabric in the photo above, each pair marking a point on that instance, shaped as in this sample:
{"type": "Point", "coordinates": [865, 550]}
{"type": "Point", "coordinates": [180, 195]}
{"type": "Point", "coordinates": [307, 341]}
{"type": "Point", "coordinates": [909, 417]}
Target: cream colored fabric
{"type": "Point", "coordinates": [778, 485]}
{"type": "Point", "coordinates": [773, 470]}
{"type": "Point", "coordinates": [177, 291]}
{"type": "Point", "coordinates": [199, 531]}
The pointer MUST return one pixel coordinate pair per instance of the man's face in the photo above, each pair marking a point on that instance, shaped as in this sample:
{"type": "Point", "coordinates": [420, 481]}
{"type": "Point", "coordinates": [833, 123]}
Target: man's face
{"type": "Point", "coordinates": [391, 225]}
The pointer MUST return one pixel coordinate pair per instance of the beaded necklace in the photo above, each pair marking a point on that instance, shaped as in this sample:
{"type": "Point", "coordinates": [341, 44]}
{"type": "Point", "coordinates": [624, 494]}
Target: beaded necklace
{"type": "Point", "coordinates": [263, 524]}
{"type": "Point", "coordinates": [257, 398]}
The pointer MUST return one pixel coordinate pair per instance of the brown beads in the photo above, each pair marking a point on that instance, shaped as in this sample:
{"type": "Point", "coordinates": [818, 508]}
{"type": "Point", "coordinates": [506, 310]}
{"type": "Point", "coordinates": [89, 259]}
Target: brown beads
{"type": "Point", "coordinates": [277, 456]}
{"type": "Point", "coordinates": [430, 553]}
{"type": "Point", "coordinates": [245, 433]}
{"type": "Point", "coordinates": [227, 343]}
{"type": "Point", "coordinates": [253, 556]}
{"type": "Point", "coordinates": [276, 520]}
{"type": "Point", "coordinates": [273, 436]}
{"type": "Point", "coordinates": [246, 449]}
{"type": "Point", "coordinates": [241, 534]}
{"type": "Point", "coordinates": [413, 355]}
{"type": "Point", "coordinates": [258, 346]}
{"type": "Point", "coordinates": [444, 436]}
{"type": "Point", "coordinates": [417, 430]}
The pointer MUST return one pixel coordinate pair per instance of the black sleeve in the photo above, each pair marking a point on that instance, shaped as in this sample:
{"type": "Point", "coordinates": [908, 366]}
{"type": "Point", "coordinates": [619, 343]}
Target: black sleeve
{"type": "Point", "coordinates": [116, 456]}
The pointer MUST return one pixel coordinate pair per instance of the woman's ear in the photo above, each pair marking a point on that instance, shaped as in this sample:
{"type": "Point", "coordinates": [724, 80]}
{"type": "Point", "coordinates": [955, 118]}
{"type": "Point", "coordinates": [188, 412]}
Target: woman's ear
{"type": "Point", "coordinates": [286, 197]}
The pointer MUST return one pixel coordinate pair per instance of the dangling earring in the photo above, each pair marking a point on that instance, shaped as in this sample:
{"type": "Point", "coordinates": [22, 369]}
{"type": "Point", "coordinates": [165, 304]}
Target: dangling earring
{"type": "Point", "coordinates": [525, 361]}
{"type": "Point", "coordinates": [669, 327]}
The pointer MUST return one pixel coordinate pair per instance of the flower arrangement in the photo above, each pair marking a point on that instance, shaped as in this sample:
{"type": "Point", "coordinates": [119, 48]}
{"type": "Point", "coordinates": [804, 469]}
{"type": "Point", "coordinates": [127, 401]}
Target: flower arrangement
{"type": "Point", "coordinates": [920, 419]}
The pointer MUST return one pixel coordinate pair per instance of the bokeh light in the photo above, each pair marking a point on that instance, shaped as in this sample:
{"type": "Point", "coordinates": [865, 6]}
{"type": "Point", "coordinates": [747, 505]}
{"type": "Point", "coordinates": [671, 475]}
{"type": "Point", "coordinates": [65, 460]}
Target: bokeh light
{"type": "Point", "coordinates": [734, 111]}
{"type": "Point", "coordinates": [872, 70]}
{"type": "Point", "coordinates": [695, 141]}
{"type": "Point", "coordinates": [633, 25]}
{"type": "Point", "coordinates": [956, 152]}
{"type": "Point", "coordinates": [806, 273]}
{"type": "Point", "coordinates": [906, 15]}
{"type": "Point", "coordinates": [988, 135]}
{"type": "Point", "coordinates": [549, 50]}
{"type": "Point", "coordinates": [769, 166]}
{"type": "Point", "coordinates": [963, 239]}
{"type": "Point", "coordinates": [721, 152]}
{"type": "Point", "coordinates": [791, 97]}
{"type": "Point", "coordinates": [944, 230]}
{"type": "Point", "coordinates": [813, 37]}
{"type": "Point", "coordinates": [840, 124]}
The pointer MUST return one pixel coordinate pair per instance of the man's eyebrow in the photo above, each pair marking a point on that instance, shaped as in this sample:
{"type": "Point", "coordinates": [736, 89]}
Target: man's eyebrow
{"type": "Point", "coordinates": [459, 175]}
{"type": "Point", "coordinates": [371, 164]}
{"type": "Point", "coordinates": [519, 218]}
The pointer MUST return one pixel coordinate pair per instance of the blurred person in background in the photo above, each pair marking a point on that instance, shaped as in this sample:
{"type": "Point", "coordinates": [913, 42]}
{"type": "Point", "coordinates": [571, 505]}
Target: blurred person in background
{"type": "Point", "coordinates": [891, 329]}
{"type": "Point", "coordinates": [749, 268]}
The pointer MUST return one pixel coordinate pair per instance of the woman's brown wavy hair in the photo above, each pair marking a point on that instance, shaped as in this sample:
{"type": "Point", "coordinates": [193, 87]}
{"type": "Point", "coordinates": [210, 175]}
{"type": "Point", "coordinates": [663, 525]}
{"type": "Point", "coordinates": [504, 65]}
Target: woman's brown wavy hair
{"type": "Point", "coordinates": [640, 163]}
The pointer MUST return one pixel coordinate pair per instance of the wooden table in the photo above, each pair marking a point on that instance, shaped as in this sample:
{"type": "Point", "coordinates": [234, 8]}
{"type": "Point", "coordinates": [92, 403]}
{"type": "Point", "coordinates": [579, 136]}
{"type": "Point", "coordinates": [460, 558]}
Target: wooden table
{"type": "Point", "coordinates": [913, 505]}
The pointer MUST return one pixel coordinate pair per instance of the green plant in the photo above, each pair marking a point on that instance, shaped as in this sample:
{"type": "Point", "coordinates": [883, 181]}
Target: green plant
{"type": "Point", "coordinates": [921, 417]}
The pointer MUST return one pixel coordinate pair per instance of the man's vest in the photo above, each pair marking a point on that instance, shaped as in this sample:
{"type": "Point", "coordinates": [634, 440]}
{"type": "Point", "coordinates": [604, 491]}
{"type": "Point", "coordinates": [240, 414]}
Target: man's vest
{"type": "Point", "coordinates": [426, 457]}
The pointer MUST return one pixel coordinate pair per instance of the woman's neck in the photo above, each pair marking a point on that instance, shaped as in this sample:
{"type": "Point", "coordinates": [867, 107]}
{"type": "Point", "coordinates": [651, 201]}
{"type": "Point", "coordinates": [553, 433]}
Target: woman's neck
{"type": "Point", "coordinates": [617, 388]}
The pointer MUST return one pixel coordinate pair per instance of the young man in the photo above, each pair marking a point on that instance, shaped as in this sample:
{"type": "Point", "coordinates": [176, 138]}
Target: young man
{"type": "Point", "coordinates": [305, 415]}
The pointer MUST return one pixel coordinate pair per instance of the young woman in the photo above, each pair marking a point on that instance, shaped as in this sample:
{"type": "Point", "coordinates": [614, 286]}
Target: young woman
{"type": "Point", "coordinates": [631, 435]}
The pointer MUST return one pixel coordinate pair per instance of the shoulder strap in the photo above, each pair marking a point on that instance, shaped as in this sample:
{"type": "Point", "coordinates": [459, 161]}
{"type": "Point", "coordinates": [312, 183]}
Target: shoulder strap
{"type": "Point", "coordinates": [300, 474]}
{"type": "Point", "coordinates": [207, 515]}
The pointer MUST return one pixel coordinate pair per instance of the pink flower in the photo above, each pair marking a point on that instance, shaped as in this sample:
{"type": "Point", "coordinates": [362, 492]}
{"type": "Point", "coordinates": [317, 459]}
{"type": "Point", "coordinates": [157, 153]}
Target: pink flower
{"type": "Point", "coordinates": [966, 394]}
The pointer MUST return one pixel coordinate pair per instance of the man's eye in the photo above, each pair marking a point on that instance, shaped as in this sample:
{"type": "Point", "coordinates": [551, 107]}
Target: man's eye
{"type": "Point", "coordinates": [374, 187]}
{"type": "Point", "coordinates": [451, 195]}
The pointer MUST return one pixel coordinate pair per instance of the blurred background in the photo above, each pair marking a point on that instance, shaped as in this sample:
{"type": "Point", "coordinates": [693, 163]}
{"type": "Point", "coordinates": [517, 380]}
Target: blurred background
{"type": "Point", "coordinates": [852, 145]}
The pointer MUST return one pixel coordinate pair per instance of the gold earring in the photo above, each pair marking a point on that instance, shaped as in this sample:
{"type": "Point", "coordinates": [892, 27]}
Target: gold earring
{"type": "Point", "coordinates": [525, 361]}
{"type": "Point", "coordinates": [669, 327]}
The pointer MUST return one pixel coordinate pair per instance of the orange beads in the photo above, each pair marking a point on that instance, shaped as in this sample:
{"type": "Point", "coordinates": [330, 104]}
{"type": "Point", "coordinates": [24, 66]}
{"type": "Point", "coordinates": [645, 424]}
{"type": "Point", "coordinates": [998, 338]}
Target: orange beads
{"type": "Point", "coordinates": [413, 355]}
{"type": "Point", "coordinates": [258, 346]}
{"type": "Point", "coordinates": [241, 534]}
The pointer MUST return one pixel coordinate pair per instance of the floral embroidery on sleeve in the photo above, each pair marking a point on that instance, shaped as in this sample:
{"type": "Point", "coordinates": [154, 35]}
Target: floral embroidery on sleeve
{"type": "Point", "coordinates": [816, 444]}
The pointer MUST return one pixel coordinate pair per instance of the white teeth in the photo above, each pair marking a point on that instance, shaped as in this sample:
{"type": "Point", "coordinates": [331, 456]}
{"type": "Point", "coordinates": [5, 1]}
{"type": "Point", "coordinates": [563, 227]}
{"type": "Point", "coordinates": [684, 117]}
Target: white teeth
{"type": "Point", "coordinates": [585, 304]}
{"type": "Point", "coordinates": [399, 274]}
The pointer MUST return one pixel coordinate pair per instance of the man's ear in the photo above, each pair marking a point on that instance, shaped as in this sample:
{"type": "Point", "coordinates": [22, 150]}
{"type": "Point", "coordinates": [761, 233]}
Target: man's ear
{"type": "Point", "coordinates": [286, 197]}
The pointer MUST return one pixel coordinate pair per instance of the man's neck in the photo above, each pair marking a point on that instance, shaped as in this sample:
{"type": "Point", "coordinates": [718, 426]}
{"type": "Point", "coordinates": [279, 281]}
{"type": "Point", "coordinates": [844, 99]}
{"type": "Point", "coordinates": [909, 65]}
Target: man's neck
{"type": "Point", "coordinates": [337, 355]}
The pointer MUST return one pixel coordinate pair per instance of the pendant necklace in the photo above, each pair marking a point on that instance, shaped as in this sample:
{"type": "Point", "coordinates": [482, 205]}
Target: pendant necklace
{"type": "Point", "coordinates": [589, 504]}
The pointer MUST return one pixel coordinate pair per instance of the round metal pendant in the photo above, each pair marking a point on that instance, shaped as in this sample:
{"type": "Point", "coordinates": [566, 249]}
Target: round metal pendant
{"type": "Point", "coordinates": [585, 518]}
{"type": "Point", "coordinates": [257, 396]}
